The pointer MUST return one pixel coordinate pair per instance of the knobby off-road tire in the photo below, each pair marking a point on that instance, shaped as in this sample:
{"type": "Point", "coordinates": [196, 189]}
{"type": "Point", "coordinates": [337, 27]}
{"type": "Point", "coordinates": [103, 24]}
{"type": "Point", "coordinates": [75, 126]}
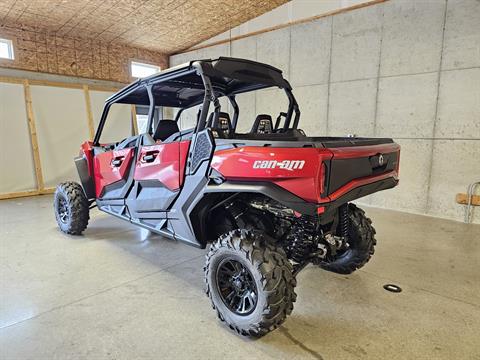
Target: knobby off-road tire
{"type": "Point", "coordinates": [269, 270]}
{"type": "Point", "coordinates": [361, 244]}
{"type": "Point", "coordinates": [71, 208]}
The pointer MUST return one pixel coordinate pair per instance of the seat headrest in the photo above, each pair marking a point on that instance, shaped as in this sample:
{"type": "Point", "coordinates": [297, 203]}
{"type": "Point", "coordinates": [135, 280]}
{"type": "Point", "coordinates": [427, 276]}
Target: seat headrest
{"type": "Point", "coordinates": [263, 124]}
{"type": "Point", "coordinates": [165, 129]}
{"type": "Point", "coordinates": [221, 124]}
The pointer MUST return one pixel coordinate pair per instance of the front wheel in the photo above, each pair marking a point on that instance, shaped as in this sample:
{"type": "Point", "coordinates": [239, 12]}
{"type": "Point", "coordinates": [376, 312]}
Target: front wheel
{"type": "Point", "coordinates": [361, 244]}
{"type": "Point", "coordinates": [71, 208]}
{"type": "Point", "coordinates": [250, 282]}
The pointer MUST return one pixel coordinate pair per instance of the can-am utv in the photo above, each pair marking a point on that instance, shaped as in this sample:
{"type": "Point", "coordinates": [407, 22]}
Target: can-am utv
{"type": "Point", "coordinates": [267, 202]}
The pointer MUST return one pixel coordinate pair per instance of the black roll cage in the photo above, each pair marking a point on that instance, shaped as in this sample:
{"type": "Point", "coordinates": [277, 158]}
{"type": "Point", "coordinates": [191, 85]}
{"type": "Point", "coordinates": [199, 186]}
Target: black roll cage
{"type": "Point", "coordinates": [212, 91]}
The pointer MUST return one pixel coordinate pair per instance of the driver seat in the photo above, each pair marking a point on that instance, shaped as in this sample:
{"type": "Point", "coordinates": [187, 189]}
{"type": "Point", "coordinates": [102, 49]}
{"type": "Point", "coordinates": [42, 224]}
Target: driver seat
{"type": "Point", "coordinates": [165, 129]}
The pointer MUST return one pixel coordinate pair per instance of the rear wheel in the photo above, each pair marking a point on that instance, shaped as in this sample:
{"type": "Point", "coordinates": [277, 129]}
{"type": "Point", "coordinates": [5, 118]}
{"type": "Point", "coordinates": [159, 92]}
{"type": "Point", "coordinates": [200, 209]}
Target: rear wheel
{"type": "Point", "coordinates": [71, 208]}
{"type": "Point", "coordinates": [361, 244]}
{"type": "Point", "coordinates": [250, 282]}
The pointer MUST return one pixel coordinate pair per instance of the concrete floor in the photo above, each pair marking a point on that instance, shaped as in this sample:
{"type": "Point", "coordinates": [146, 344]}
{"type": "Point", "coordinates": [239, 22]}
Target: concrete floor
{"type": "Point", "coordinates": [119, 292]}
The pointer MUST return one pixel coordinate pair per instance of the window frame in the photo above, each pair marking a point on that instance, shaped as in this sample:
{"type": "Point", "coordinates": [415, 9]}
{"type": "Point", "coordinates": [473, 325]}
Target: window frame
{"type": "Point", "coordinates": [10, 50]}
{"type": "Point", "coordinates": [145, 65]}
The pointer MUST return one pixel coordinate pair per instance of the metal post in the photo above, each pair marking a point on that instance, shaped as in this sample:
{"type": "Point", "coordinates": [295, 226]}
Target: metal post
{"type": "Point", "coordinates": [470, 192]}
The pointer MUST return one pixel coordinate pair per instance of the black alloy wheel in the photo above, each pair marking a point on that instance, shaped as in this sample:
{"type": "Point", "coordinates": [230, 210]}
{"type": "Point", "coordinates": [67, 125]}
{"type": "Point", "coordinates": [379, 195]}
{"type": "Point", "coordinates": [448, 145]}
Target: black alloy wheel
{"type": "Point", "coordinates": [236, 287]}
{"type": "Point", "coordinates": [250, 282]}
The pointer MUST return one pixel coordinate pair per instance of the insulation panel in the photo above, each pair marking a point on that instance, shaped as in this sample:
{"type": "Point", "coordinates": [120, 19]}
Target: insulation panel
{"type": "Point", "coordinates": [61, 120]}
{"type": "Point", "coordinates": [16, 162]}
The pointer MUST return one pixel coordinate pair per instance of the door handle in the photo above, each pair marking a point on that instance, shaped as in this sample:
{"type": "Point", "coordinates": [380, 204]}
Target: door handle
{"type": "Point", "coordinates": [149, 157]}
{"type": "Point", "coordinates": [117, 161]}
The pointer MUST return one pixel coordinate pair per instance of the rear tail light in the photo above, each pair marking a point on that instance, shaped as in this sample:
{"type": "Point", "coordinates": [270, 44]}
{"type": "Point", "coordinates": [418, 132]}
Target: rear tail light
{"type": "Point", "coordinates": [398, 163]}
{"type": "Point", "coordinates": [323, 178]}
{"type": "Point", "coordinates": [321, 181]}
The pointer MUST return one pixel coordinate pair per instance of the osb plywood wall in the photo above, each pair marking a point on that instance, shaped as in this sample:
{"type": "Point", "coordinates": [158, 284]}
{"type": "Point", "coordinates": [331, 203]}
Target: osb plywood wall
{"type": "Point", "coordinates": [43, 52]}
{"type": "Point", "coordinates": [97, 39]}
{"type": "Point", "coordinates": [163, 26]}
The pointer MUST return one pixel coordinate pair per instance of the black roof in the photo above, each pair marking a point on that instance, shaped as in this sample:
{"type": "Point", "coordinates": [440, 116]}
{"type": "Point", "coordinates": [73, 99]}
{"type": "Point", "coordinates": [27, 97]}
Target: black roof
{"type": "Point", "coordinates": [182, 86]}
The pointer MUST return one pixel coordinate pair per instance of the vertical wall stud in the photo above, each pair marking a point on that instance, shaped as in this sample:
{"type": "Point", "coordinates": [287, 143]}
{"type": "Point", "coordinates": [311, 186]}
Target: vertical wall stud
{"type": "Point", "coordinates": [88, 105]}
{"type": "Point", "coordinates": [134, 119]}
{"type": "Point", "coordinates": [33, 135]}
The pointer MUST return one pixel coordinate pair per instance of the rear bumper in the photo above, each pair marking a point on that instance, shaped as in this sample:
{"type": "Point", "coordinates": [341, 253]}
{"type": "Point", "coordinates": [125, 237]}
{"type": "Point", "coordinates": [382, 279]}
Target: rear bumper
{"type": "Point", "coordinates": [359, 183]}
{"type": "Point", "coordinates": [360, 191]}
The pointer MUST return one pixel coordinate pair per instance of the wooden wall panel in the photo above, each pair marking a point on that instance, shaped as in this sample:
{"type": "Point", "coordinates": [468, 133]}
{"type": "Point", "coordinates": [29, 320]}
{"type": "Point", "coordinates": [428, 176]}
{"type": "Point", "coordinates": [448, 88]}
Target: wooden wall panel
{"type": "Point", "coordinates": [66, 55]}
{"type": "Point", "coordinates": [17, 171]}
{"type": "Point", "coordinates": [61, 121]}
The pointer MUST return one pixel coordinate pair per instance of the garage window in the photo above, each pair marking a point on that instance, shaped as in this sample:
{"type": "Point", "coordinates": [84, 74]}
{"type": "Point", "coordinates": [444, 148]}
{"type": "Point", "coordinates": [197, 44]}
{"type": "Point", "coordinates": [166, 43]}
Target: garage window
{"type": "Point", "coordinates": [140, 70]}
{"type": "Point", "coordinates": [6, 49]}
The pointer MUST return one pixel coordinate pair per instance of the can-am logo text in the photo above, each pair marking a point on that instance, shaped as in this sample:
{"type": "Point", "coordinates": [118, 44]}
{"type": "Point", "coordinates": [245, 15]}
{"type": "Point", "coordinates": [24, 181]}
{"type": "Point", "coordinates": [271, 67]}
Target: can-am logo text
{"type": "Point", "coordinates": [274, 164]}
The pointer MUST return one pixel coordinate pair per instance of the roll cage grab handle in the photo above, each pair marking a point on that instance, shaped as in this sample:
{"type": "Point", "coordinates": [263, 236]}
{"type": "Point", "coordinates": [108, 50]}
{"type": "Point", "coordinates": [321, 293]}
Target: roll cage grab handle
{"type": "Point", "coordinates": [209, 96]}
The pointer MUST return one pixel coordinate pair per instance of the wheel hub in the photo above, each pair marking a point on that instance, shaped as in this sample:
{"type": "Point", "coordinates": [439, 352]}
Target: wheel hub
{"type": "Point", "coordinates": [62, 207]}
{"type": "Point", "coordinates": [238, 284]}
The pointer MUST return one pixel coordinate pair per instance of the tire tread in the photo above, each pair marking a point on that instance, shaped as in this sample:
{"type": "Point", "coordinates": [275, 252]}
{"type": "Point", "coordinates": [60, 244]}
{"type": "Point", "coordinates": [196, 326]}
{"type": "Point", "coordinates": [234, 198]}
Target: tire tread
{"type": "Point", "coordinates": [78, 204]}
{"type": "Point", "coordinates": [360, 256]}
{"type": "Point", "coordinates": [278, 282]}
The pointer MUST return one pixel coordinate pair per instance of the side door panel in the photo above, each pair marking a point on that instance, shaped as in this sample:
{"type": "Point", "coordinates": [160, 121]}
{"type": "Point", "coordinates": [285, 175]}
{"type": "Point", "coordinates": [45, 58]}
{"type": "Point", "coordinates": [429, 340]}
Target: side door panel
{"type": "Point", "coordinates": [158, 177]}
{"type": "Point", "coordinates": [160, 163]}
{"type": "Point", "coordinates": [111, 172]}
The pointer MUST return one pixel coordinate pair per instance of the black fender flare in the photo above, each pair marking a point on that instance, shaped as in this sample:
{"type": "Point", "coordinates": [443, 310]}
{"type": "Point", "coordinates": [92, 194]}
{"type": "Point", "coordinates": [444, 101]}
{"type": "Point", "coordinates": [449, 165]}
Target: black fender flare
{"type": "Point", "coordinates": [268, 189]}
{"type": "Point", "coordinates": [206, 201]}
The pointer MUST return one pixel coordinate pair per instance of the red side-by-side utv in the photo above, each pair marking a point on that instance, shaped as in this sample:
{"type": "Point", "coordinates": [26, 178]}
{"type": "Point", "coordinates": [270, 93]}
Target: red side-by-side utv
{"type": "Point", "coordinates": [267, 202]}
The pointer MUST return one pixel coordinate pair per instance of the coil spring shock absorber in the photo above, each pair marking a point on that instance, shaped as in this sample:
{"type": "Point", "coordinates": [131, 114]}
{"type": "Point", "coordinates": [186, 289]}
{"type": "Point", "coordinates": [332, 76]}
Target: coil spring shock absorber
{"type": "Point", "coordinates": [344, 222]}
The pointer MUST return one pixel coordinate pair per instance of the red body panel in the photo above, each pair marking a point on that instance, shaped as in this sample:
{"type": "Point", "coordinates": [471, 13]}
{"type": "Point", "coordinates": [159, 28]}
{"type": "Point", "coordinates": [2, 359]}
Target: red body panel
{"type": "Point", "coordinates": [106, 173]}
{"type": "Point", "coordinates": [307, 181]}
{"type": "Point", "coordinates": [86, 149]}
{"type": "Point", "coordinates": [168, 166]}
{"type": "Point", "coordinates": [249, 164]}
